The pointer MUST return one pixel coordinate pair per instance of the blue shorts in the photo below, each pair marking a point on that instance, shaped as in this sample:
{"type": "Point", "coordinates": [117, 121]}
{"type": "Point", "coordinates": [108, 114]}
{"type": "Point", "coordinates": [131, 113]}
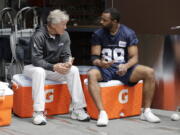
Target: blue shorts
{"type": "Point", "coordinates": [110, 74]}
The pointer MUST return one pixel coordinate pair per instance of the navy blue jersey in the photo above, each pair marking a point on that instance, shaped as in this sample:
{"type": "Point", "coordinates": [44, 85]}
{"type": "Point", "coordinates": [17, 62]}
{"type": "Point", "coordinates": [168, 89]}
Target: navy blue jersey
{"type": "Point", "coordinates": [114, 47]}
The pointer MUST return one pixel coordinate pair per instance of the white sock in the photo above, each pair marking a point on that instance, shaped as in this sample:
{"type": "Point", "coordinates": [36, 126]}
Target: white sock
{"type": "Point", "coordinates": [143, 110]}
{"type": "Point", "coordinates": [147, 110]}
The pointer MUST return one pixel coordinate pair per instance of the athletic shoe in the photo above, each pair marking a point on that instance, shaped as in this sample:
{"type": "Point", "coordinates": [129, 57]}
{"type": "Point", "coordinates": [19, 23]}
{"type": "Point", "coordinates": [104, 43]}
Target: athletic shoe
{"type": "Point", "coordinates": [102, 119]}
{"type": "Point", "coordinates": [80, 114]}
{"type": "Point", "coordinates": [39, 118]}
{"type": "Point", "coordinates": [149, 116]}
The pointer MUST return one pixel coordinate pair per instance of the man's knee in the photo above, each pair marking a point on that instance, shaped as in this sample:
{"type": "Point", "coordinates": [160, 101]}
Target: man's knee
{"type": "Point", "coordinates": [93, 75]}
{"type": "Point", "coordinates": [38, 71]}
{"type": "Point", "coordinates": [74, 69]}
{"type": "Point", "coordinates": [149, 73]}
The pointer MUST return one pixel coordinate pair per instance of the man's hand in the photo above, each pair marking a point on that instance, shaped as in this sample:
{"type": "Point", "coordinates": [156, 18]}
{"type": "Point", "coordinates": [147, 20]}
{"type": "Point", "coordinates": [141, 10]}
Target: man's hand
{"type": "Point", "coordinates": [69, 63]}
{"type": "Point", "coordinates": [122, 69]}
{"type": "Point", "coordinates": [105, 64]}
{"type": "Point", "coordinates": [61, 68]}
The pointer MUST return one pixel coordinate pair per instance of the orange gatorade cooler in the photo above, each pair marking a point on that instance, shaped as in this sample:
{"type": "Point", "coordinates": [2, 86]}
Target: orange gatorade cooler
{"type": "Point", "coordinates": [57, 97]}
{"type": "Point", "coordinates": [119, 100]}
{"type": "Point", "coordinates": [6, 103]}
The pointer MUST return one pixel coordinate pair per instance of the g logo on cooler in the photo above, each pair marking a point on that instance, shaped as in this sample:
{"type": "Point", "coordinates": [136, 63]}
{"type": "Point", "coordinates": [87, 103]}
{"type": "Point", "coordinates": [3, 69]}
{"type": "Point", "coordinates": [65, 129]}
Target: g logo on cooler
{"type": "Point", "coordinates": [49, 95]}
{"type": "Point", "coordinates": [123, 96]}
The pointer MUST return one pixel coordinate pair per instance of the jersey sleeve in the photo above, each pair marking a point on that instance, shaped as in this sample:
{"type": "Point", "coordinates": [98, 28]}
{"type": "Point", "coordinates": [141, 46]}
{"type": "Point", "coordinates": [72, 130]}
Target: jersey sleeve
{"type": "Point", "coordinates": [132, 39]}
{"type": "Point", "coordinates": [95, 40]}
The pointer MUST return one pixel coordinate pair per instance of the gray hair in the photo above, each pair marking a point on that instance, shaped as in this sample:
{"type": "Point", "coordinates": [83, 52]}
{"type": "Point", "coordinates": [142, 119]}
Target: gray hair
{"type": "Point", "coordinates": [56, 16]}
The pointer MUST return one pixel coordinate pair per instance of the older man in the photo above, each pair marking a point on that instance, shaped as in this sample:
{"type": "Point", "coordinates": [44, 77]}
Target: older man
{"type": "Point", "coordinates": [51, 59]}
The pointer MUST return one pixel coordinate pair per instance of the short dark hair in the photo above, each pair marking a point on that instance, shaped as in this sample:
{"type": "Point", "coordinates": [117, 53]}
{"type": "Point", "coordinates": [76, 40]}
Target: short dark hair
{"type": "Point", "coordinates": [115, 15]}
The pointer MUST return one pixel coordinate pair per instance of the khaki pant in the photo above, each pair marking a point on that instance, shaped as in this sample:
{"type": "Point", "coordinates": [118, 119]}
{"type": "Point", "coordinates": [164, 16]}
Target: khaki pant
{"type": "Point", "coordinates": [38, 76]}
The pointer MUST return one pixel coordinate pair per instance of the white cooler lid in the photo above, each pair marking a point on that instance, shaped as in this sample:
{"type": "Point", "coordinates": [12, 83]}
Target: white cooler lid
{"type": "Point", "coordinates": [5, 90]}
{"type": "Point", "coordinates": [26, 81]}
{"type": "Point", "coordinates": [110, 83]}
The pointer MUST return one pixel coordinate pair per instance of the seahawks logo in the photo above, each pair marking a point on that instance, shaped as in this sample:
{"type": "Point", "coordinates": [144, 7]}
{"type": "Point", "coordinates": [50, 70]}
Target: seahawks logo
{"type": "Point", "coordinates": [60, 44]}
